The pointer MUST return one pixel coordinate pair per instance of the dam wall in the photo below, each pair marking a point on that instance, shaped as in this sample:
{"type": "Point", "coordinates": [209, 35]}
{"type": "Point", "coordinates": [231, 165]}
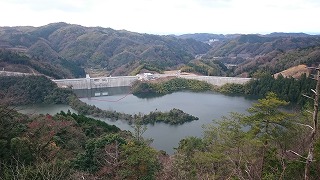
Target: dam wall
{"type": "Point", "coordinates": [119, 81]}
{"type": "Point", "coordinates": [218, 80]}
{"type": "Point", "coordinates": [100, 82]}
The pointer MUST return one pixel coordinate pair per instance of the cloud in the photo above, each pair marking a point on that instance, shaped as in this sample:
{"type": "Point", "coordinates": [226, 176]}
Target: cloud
{"type": "Point", "coordinates": [215, 3]}
{"type": "Point", "coordinates": [61, 5]}
{"type": "Point", "coordinates": [169, 16]}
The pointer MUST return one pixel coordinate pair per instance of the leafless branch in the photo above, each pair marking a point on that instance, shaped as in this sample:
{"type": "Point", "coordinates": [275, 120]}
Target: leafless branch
{"type": "Point", "coordinates": [297, 154]}
{"type": "Point", "coordinates": [305, 125]}
{"type": "Point", "coordinates": [309, 111]}
{"type": "Point", "coordinates": [307, 96]}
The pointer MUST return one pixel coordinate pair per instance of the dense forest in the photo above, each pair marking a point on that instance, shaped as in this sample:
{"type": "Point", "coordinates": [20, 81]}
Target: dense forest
{"type": "Point", "coordinates": [169, 86]}
{"type": "Point", "coordinates": [58, 68]}
{"type": "Point", "coordinates": [32, 90]}
{"type": "Point", "coordinates": [70, 146]}
{"type": "Point", "coordinates": [289, 89]}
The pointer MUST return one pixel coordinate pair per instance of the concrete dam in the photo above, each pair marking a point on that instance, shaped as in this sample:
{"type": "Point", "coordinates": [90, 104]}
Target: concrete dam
{"type": "Point", "coordinates": [218, 80]}
{"type": "Point", "coordinates": [120, 81]}
{"type": "Point", "coordinates": [99, 82]}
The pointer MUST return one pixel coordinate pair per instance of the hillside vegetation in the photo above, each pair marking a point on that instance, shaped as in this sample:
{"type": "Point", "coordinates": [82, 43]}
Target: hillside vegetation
{"type": "Point", "coordinates": [58, 68]}
{"type": "Point", "coordinates": [206, 37]}
{"type": "Point", "coordinates": [60, 46]}
{"type": "Point", "coordinates": [253, 53]}
{"type": "Point", "coordinates": [295, 71]}
{"type": "Point", "coordinates": [118, 52]}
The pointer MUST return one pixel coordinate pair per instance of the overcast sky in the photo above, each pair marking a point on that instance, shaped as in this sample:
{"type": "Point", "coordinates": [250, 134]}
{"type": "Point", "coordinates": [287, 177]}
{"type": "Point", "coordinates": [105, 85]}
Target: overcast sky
{"type": "Point", "coordinates": [169, 16]}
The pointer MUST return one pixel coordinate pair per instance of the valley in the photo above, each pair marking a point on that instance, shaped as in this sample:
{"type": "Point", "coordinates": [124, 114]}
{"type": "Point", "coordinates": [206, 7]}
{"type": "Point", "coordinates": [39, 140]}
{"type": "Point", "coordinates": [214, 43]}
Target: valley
{"type": "Point", "coordinates": [81, 102]}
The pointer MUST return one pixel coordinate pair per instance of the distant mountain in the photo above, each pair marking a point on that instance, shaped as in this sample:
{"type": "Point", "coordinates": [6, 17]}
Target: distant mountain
{"type": "Point", "coordinates": [282, 34]}
{"type": "Point", "coordinates": [203, 37]}
{"type": "Point", "coordinates": [250, 53]}
{"type": "Point", "coordinates": [62, 50]}
{"type": "Point", "coordinates": [277, 61]}
{"type": "Point", "coordinates": [207, 37]}
{"type": "Point", "coordinates": [118, 52]}
{"type": "Point", "coordinates": [249, 46]}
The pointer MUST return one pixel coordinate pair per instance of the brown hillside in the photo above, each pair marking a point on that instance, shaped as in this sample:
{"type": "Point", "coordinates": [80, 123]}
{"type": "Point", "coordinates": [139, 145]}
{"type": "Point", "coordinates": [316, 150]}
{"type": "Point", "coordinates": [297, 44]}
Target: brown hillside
{"type": "Point", "coordinates": [294, 72]}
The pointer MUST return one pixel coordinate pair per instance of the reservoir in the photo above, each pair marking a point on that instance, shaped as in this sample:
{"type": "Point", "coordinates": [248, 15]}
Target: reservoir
{"type": "Point", "coordinates": [207, 106]}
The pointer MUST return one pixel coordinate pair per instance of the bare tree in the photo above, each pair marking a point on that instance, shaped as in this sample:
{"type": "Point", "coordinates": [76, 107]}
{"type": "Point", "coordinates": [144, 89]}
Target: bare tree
{"type": "Point", "coordinates": [310, 157]}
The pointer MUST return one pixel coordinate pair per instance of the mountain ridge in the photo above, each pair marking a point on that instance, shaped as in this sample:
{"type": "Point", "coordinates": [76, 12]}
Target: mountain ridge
{"type": "Point", "coordinates": [121, 52]}
{"type": "Point", "coordinates": [99, 47]}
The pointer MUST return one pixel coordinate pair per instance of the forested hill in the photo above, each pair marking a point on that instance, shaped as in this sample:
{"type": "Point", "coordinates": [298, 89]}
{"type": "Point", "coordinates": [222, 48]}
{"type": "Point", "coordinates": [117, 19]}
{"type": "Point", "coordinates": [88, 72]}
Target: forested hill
{"type": "Point", "coordinates": [248, 54]}
{"type": "Point", "coordinates": [252, 45]}
{"type": "Point", "coordinates": [66, 48]}
{"type": "Point", "coordinates": [58, 68]}
{"type": "Point", "coordinates": [275, 52]}
{"type": "Point", "coordinates": [206, 37]}
{"type": "Point", "coordinates": [119, 52]}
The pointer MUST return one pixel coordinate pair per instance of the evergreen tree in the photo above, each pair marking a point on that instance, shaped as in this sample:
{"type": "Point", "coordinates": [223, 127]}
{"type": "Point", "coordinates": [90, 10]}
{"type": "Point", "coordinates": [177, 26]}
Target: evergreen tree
{"type": "Point", "coordinates": [267, 123]}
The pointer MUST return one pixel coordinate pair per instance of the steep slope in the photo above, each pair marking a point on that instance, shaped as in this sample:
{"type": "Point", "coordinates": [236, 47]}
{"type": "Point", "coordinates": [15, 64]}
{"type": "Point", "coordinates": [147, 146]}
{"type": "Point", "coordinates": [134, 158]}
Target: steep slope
{"type": "Point", "coordinates": [42, 50]}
